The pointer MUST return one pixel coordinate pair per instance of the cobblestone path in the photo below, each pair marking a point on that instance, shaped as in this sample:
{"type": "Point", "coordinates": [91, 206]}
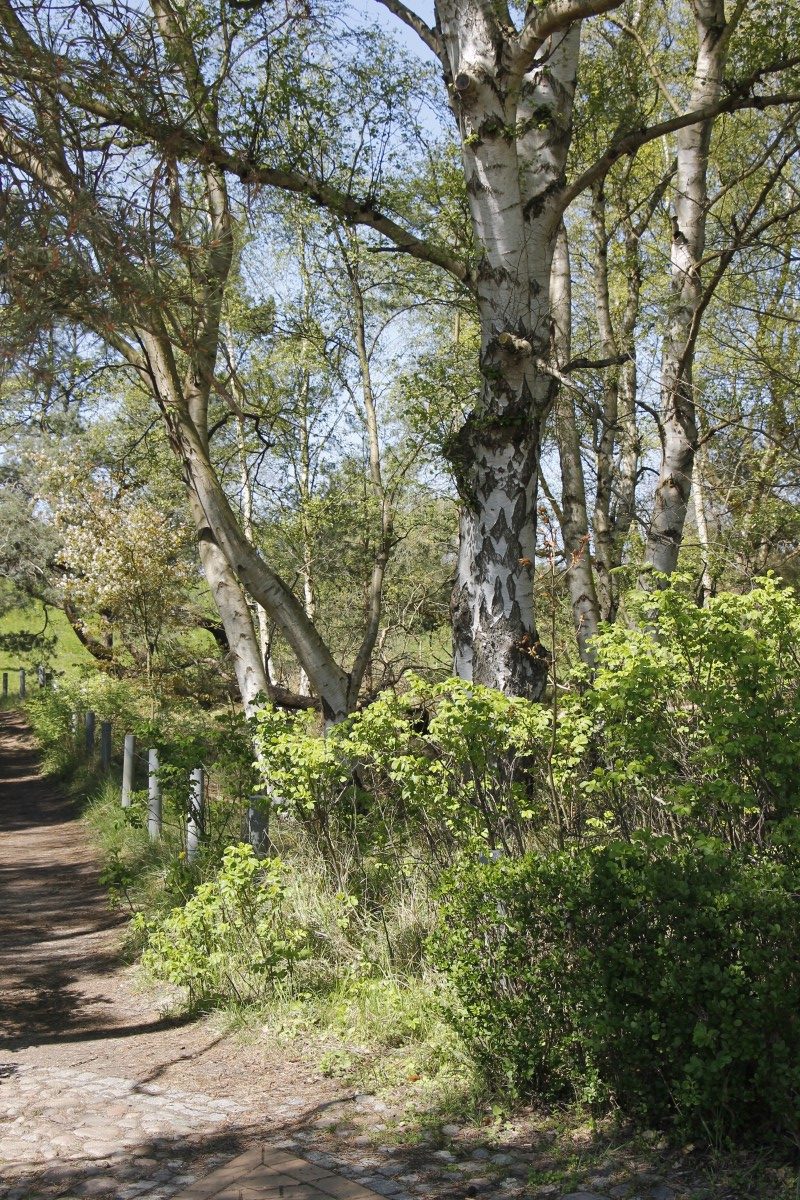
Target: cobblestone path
{"type": "Point", "coordinates": [100, 1095]}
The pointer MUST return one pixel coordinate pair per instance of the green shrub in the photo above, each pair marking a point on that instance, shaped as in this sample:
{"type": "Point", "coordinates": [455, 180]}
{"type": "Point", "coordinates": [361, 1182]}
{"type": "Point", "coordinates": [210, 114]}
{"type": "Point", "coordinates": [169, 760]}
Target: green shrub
{"type": "Point", "coordinates": [664, 978]}
{"type": "Point", "coordinates": [696, 729]}
{"type": "Point", "coordinates": [430, 770]}
{"type": "Point", "coordinates": [232, 940]}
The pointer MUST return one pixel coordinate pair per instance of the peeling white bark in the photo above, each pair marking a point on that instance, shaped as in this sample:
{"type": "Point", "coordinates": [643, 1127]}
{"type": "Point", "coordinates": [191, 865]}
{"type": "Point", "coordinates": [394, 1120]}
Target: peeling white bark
{"type": "Point", "coordinates": [512, 98]}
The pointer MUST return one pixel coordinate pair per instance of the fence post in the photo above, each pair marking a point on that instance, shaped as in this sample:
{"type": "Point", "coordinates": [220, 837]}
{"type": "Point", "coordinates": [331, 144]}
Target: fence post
{"type": "Point", "coordinates": [89, 730]}
{"type": "Point", "coordinates": [41, 676]}
{"type": "Point", "coordinates": [153, 797]}
{"type": "Point", "coordinates": [127, 769]}
{"type": "Point", "coordinates": [5, 684]}
{"type": "Point", "coordinates": [105, 745]}
{"type": "Point", "coordinates": [257, 824]}
{"type": "Point", "coordinates": [194, 825]}
{"type": "Point", "coordinates": [22, 683]}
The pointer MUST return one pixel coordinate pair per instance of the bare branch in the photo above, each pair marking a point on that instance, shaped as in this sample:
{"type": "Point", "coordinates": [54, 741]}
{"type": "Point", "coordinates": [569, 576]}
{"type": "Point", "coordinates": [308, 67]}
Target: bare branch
{"type": "Point", "coordinates": [429, 36]}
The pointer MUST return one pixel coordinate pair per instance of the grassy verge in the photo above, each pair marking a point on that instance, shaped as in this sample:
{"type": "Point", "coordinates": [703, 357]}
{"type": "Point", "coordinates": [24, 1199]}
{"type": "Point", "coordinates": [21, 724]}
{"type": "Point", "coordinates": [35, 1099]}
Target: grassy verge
{"type": "Point", "coordinates": [69, 658]}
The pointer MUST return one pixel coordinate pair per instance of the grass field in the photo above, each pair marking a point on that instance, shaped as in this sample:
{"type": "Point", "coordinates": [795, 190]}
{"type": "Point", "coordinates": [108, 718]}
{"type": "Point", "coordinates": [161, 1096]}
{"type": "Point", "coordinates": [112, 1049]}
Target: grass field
{"type": "Point", "coordinates": [69, 657]}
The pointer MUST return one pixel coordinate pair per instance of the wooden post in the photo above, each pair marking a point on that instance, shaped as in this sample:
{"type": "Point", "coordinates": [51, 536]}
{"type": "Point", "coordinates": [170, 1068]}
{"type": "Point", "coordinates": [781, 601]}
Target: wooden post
{"type": "Point", "coordinates": [153, 797]}
{"type": "Point", "coordinates": [89, 731]}
{"type": "Point", "coordinates": [41, 676]}
{"type": "Point", "coordinates": [22, 683]}
{"type": "Point", "coordinates": [257, 824]}
{"type": "Point", "coordinates": [105, 745]}
{"type": "Point", "coordinates": [127, 769]}
{"type": "Point", "coordinates": [5, 685]}
{"type": "Point", "coordinates": [194, 825]}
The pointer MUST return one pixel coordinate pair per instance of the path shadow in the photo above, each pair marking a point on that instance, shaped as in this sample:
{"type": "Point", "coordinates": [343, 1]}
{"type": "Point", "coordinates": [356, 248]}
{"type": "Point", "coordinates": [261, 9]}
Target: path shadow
{"type": "Point", "coordinates": [57, 934]}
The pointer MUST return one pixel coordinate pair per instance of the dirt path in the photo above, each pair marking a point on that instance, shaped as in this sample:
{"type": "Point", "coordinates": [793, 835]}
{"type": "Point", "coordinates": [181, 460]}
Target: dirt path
{"type": "Point", "coordinates": [100, 1095]}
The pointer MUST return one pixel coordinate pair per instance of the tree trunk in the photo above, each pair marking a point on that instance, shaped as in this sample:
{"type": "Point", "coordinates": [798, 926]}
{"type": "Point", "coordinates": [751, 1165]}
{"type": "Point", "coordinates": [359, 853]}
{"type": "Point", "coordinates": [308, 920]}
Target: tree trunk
{"type": "Point", "coordinates": [237, 619]}
{"type": "Point", "coordinates": [214, 517]}
{"type": "Point", "coordinates": [678, 423]}
{"type": "Point", "coordinates": [514, 111]}
{"type": "Point", "coordinates": [707, 584]}
{"type": "Point", "coordinates": [574, 514]}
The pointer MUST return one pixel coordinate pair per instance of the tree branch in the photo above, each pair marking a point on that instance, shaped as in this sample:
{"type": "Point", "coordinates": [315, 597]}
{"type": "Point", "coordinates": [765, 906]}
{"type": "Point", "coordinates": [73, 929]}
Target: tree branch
{"type": "Point", "coordinates": [429, 36]}
{"type": "Point", "coordinates": [596, 364]}
{"type": "Point", "coordinates": [629, 143]}
{"type": "Point", "coordinates": [553, 19]}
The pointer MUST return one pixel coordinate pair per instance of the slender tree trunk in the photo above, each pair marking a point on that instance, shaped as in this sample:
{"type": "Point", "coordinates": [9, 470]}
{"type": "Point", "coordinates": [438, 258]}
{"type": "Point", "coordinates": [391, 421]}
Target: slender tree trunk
{"type": "Point", "coordinates": [607, 423]}
{"type": "Point", "coordinates": [309, 594]}
{"type": "Point", "coordinates": [262, 620]}
{"type": "Point", "coordinates": [707, 584]}
{"type": "Point", "coordinates": [616, 439]}
{"type": "Point", "coordinates": [380, 496]}
{"type": "Point", "coordinates": [630, 451]}
{"type": "Point", "coordinates": [574, 517]}
{"type": "Point", "coordinates": [678, 423]}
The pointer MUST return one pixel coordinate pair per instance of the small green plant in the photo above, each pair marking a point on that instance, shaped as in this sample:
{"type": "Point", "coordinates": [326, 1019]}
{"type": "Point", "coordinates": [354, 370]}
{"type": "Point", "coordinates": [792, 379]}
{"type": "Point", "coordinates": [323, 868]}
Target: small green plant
{"type": "Point", "coordinates": [232, 940]}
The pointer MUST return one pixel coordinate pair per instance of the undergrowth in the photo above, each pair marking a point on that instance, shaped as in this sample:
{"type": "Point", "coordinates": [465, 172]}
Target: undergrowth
{"type": "Point", "coordinates": [682, 752]}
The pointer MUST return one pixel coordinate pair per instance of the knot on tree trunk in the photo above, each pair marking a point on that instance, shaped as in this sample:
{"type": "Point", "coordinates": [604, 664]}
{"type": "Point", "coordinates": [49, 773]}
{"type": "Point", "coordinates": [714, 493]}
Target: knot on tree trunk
{"type": "Point", "coordinates": [513, 344]}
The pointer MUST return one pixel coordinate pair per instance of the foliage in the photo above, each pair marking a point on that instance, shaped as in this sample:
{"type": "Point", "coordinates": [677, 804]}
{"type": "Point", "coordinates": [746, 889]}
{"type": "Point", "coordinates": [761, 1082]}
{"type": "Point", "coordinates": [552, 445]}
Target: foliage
{"type": "Point", "coordinates": [232, 938]}
{"type": "Point", "coordinates": [697, 728]}
{"type": "Point", "coordinates": [664, 978]}
{"type": "Point", "coordinates": [452, 761]}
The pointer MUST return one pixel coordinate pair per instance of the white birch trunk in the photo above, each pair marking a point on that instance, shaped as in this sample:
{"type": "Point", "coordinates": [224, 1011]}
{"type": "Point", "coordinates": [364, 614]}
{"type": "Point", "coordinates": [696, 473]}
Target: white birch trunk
{"type": "Point", "coordinates": [678, 424]}
{"type": "Point", "coordinates": [515, 116]}
{"type": "Point", "coordinates": [707, 587]}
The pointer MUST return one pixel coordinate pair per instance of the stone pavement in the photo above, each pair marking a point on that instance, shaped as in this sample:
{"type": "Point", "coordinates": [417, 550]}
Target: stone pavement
{"type": "Point", "coordinates": [265, 1173]}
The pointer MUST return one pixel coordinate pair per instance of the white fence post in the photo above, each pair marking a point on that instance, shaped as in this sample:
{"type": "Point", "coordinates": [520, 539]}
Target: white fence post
{"type": "Point", "coordinates": [153, 797]}
{"type": "Point", "coordinates": [194, 825]}
{"type": "Point", "coordinates": [127, 769]}
{"type": "Point", "coordinates": [22, 683]}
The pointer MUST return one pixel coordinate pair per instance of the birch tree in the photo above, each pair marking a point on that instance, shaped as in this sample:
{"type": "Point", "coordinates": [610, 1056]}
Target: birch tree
{"type": "Point", "coordinates": [511, 88]}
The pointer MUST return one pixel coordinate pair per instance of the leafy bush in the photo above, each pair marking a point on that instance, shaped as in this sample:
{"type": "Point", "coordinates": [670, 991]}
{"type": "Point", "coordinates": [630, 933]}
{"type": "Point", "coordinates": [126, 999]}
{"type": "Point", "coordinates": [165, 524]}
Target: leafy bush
{"type": "Point", "coordinates": [695, 729]}
{"type": "Point", "coordinates": [444, 763]}
{"type": "Point", "coordinates": [665, 978]}
{"type": "Point", "coordinates": [232, 940]}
